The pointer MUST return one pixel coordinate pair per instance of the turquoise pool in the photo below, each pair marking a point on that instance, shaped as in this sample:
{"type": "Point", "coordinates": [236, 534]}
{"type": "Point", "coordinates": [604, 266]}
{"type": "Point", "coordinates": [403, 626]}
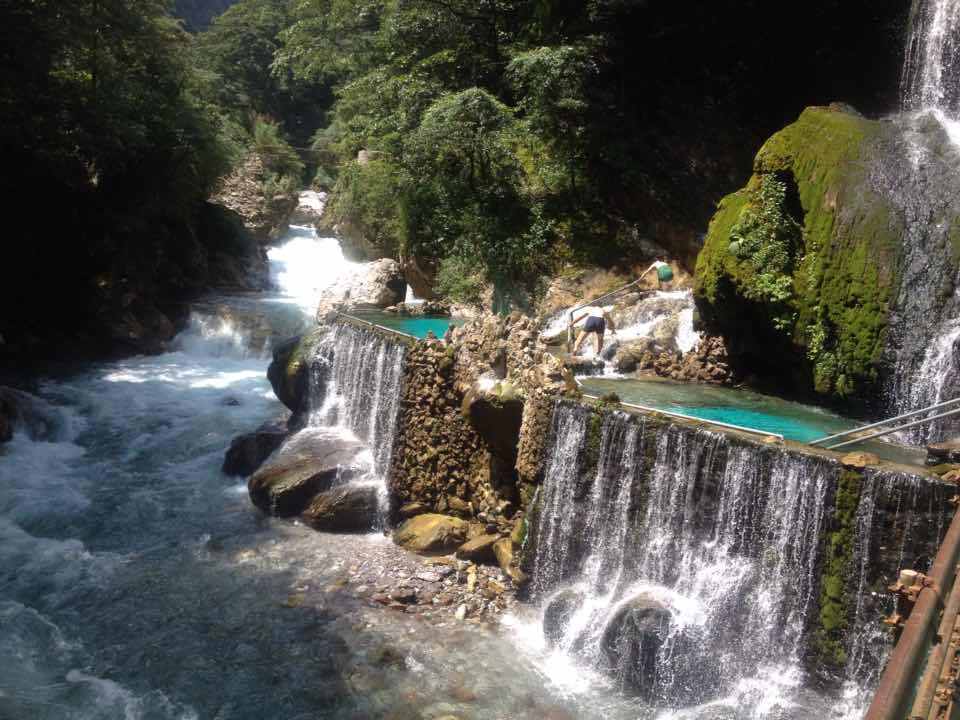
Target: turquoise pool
{"type": "Point", "coordinates": [748, 409]}
{"type": "Point", "coordinates": [416, 325]}
{"type": "Point", "coordinates": [795, 421]}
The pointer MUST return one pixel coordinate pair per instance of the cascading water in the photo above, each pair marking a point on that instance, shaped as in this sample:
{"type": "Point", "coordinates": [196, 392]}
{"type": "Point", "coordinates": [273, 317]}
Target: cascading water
{"type": "Point", "coordinates": [919, 172]}
{"type": "Point", "coordinates": [931, 70]}
{"type": "Point", "coordinates": [689, 566]}
{"type": "Point", "coordinates": [666, 316]}
{"type": "Point", "coordinates": [359, 382]}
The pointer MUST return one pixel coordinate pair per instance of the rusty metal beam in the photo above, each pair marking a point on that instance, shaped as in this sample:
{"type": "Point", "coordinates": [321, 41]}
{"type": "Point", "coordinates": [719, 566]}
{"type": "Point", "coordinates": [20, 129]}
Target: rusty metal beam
{"type": "Point", "coordinates": [933, 673]}
{"type": "Point", "coordinates": [944, 706]}
{"type": "Point", "coordinates": [898, 682]}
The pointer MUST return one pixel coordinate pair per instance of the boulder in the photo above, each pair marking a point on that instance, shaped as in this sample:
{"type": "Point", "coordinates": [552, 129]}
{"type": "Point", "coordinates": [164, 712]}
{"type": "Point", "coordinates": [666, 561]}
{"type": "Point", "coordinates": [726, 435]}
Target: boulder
{"type": "Point", "coordinates": [23, 411]}
{"type": "Point", "coordinates": [382, 285]}
{"type": "Point", "coordinates": [309, 209]}
{"type": "Point", "coordinates": [420, 275]}
{"type": "Point", "coordinates": [558, 612]}
{"type": "Point", "coordinates": [503, 550]}
{"type": "Point", "coordinates": [628, 355]}
{"type": "Point", "coordinates": [242, 192]}
{"type": "Point", "coordinates": [431, 533]}
{"type": "Point", "coordinates": [287, 377]}
{"type": "Point", "coordinates": [665, 335]}
{"type": "Point", "coordinates": [584, 365]}
{"type": "Point", "coordinates": [459, 506]}
{"type": "Point", "coordinates": [378, 285]}
{"type": "Point", "coordinates": [411, 509]}
{"type": "Point", "coordinates": [309, 463]}
{"type": "Point", "coordinates": [248, 451]}
{"type": "Point", "coordinates": [610, 350]}
{"type": "Point", "coordinates": [289, 371]}
{"type": "Point", "coordinates": [478, 549]}
{"type": "Point", "coordinates": [631, 639]}
{"type": "Point", "coordinates": [346, 508]}
{"type": "Point", "coordinates": [830, 158]}
{"type": "Point", "coordinates": [859, 460]}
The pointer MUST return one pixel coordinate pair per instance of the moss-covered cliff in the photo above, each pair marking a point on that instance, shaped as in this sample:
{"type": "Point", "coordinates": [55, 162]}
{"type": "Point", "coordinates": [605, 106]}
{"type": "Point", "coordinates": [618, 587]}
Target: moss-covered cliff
{"type": "Point", "coordinates": [799, 267]}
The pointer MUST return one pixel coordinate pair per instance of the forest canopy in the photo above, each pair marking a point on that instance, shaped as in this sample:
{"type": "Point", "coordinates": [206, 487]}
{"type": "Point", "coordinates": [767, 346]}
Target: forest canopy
{"type": "Point", "coordinates": [502, 139]}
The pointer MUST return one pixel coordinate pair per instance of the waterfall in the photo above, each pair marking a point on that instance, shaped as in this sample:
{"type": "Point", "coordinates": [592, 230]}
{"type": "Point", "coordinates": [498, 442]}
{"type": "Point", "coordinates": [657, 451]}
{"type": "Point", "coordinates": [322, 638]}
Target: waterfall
{"type": "Point", "coordinates": [685, 564]}
{"type": "Point", "coordinates": [918, 173]}
{"type": "Point", "coordinates": [931, 71]}
{"type": "Point", "coordinates": [356, 385]}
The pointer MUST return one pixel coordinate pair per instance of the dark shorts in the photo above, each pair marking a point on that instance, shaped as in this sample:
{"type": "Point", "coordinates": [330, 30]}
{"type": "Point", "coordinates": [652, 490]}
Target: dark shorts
{"type": "Point", "coordinates": [595, 324]}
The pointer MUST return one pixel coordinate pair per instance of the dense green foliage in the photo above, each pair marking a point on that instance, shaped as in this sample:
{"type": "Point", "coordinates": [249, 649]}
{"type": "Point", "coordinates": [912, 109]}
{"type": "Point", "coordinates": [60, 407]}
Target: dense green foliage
{"type": "Point", "coordinates": [103, 124]}
{"type": "Point", "coordinates": [504, 137]}
{"type": "Point", "coordinates": [513, 136]}
{"type": "Point", "coordinates": [767, 237]}
{"type": "Point", "coordinates": [236, 61]}
{"type": "Point", "coordinates": [197, 14]}
{"type": "Point", "coordinates": [799, 266]}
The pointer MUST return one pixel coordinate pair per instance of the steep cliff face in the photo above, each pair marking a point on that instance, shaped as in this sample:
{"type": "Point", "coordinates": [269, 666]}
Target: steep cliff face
{"type": "Point", "coordinates": [245, 191]}
{"type": "Point", "coordinates": [800, 267]}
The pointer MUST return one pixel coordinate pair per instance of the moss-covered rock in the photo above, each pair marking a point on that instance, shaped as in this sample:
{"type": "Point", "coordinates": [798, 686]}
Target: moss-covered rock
{"type": "Point", "coordinates": [835, 594]}
{"type": "Point", "coordinates": [799, 268]}
{"type": "Point", "coordinates": [289, 372]}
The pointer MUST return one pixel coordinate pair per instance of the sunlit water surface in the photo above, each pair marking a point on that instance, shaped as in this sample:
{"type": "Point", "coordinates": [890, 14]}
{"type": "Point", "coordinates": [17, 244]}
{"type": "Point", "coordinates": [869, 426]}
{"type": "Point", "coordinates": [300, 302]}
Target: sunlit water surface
{"type": "Point", "coordinates": [137, 582]}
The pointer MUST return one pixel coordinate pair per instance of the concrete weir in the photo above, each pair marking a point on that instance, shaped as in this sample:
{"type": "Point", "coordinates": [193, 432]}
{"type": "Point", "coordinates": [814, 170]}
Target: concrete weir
{"type": "Point", "coordinates": [661, 549]}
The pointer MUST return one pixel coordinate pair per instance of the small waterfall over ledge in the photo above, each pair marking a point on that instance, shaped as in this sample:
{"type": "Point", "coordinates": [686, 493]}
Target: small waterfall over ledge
{"type": "Point", "coordinates": [686, 564]}
{"type": "Point", "coordinates": [355, 383]}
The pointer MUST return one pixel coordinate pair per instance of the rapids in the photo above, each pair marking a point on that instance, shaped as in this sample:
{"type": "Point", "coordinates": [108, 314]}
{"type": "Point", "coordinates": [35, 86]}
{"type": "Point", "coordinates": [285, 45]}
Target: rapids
{"type": "Point", "coordinates": [137, 582]}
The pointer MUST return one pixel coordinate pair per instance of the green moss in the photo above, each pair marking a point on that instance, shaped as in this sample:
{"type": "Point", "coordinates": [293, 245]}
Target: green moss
{"type": "Point", "coordinates": [714, 262]}
{"type": "Point", "coordinates": [835, 600]}
{"type": "Point", "coordinates": [609, 401]}
{"type": "Point", "coordinates": [843, 270]}
{"type": "Point", "coordinates": [955, 240]}
{"type": "Point", "coordinates": [301, 355]}
{"type": "Point", "coordinates": [594, 438]}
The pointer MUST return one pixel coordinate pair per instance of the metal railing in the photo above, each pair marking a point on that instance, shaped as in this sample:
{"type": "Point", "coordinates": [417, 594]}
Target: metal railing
{"type": "Point", "coordinates": [361, 321]}
{"type": "Point", "coordinates": [889, 430]}
{"type": "Point", "coordinates": [901, 684]}
{"type": "Point", "coordinates": [681, 416]}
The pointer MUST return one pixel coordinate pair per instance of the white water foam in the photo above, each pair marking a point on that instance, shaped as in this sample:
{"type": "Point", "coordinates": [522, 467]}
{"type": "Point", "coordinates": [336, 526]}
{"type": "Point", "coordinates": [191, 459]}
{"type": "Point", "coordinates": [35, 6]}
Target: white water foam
{"type": "Point", "coordinates": [313, 201]}
{"type": "Point", "coordinates": [307, 265]}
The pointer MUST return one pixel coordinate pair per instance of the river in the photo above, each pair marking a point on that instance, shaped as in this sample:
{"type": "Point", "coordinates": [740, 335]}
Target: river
{"type": "Point", "coordinates": [138, 582]}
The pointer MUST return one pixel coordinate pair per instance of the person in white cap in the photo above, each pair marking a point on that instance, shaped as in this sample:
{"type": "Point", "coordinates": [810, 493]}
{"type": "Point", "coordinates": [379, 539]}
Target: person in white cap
{"type": "Point", "coordinates": [597, 318]}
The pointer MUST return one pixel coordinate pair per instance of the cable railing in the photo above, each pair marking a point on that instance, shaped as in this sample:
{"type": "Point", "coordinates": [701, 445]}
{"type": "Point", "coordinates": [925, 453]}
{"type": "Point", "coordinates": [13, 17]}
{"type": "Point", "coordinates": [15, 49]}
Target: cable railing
{"type": "Point", "coordinates": [367, 323]}
{"type": "Point", "coordinates": [885, 423]}
{"type": "Point", "coordinates": [595, 301]}
{"type": "Point", "coordinates": [689, 418]}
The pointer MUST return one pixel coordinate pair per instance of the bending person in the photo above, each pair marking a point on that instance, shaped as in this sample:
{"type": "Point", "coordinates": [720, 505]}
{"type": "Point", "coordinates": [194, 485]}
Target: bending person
{"type": "Point", "coordinates": [664, 273]}
{"type": "Point", "coordinates": [597, 318]}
